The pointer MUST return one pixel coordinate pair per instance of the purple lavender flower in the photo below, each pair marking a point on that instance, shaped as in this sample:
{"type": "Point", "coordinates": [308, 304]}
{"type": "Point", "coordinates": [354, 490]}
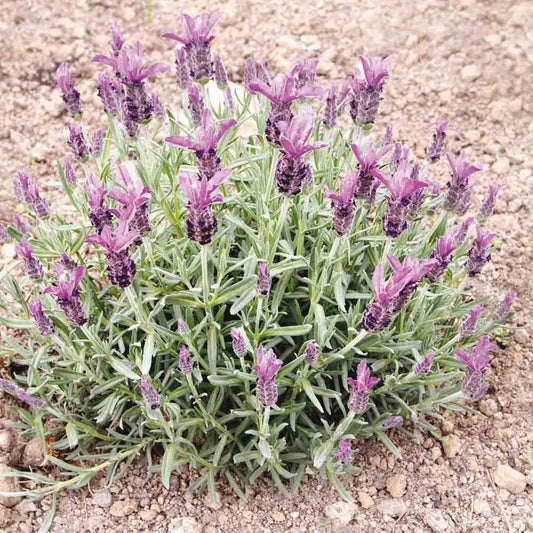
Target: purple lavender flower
{"type": "Point", "coordinates": [110, 93]}
{"type": "Point", "coordinates": [97, 141]}
{"type": "Point", "coordinates": [378, 313]}
{"type": "Point", "coordinates": [197, 43]}
{"type": "Point", "coordinates": [207, 138]}
{"type": "Point", "coordinates": [201, 223]}
{"type": "Point", "coordinates": [42, 322]}
{"type": "Point", "coordinates": [469, 324]}
{"type": "Point", "coordinates": [186, 363]}
{"type": "Point", "coordinates": [487, 207]}
{"type": "Point", "coordinates": [132, 195]}
{"type": "Point", "coordinates": [417, 198]}
{"type": "Point", "coordinates": [329, 117]}
{"type": "Point", "coordinates": [387, 138]}
{"type": "Point", "coordinates": [182, 71]}
{"type": "Point", "coordinates": [4, 235]}
{"type": "Point", "coordinates": [71, 97]}
{"type": "Point", "coordinates": [343, 204]}
{"type": "Point", "coordinates": [398, 154]}
{"type": "Point", "coordinates": [20, 225]}
{"type": "Point", "coordinates": [304, 72]}
{"type": "Point", "coordinates": [67, 262]}
{"type": "Point", "coordinates": [504, 308]}
{"type": "Point", "coordinates": [344, 92]}
{"type": "Point", "coordinates": [266, 370]}
{"type": "Point", "coordinates": [344, 452]}
{"type": "Point", "coordinates": [121, 268]}
{"type": "Point", "coordinates": [117, 42]}
{"type": "Point", "coordinates": [250, 74]}
{"type": "Point", "coordinates": [70, 173]}
{"type": "Point", "coordinates": [32, 266]}
{"type": "Point", "coordinates": [436, 148]}
{"type": "Point", "coordinates": [292, 170]}
{"type": "Point", "coordinates": [264, 279]}
{"type": "Point", "coordinates": [401, 187]}
{"type": "Point", "coordinates": [150, 395]}
{"type": "Point", "coordinates": [221, 76]}
{"type": "Point", "coordinates": [183, 327]}
{"type": "Point", "coordinates": [459, 187]}
{"type": "Point", "coordinates": [22, 395]}
{"type": "Point", "coordinates": [367, 170]}
{"type": "Point", "coordinates": [442, 255]}
{"type": "Point", "coordinates": [424, 364]}
{"type": "Point", "coordinates": [21, 187]}
{"type": "Point", "coordinates": [312, 353]}
{"type": "Point", "coordinates": [158, 107]}
{"type": "Point", "coordinates": [100, 216]}
{"type": "Point", "coordinates": [360, 388]}
{"type": "Point", "coordinates": [281, 95]}
{"type": "Point", "coordinates": [196, 103]}
{"type": "Point", "coordinates": [479, 255]}
{"type": "Point", "coordinates": [138, 106]}
{"type": "Point", "coordinates": [78, 143]}
{"type": "Point", "coordinates": [367, 91]}
{"type": "Point", "coordinates": [262, 73]}
{"type": "Point", "coordinates": [392, 422]}
{"type": "Point", "coordinates": [238, 343]}
{"type": "Point", "coordinates": [417, 271]}
{"type": "Point", "coordinates": [460, 231]}
{"type": "Point", "coordinates": [38, 203]}
{"type": "Point", "coordinates": [67, 294]}
{"type": "Point", "coordinates": [476, 362]}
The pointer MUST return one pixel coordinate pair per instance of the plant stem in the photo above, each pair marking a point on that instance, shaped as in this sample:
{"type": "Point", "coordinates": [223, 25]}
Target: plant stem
{"type": "Point", "coordinates": [281, 221]}
{"type": "Point", "coordinates": [205, 275]}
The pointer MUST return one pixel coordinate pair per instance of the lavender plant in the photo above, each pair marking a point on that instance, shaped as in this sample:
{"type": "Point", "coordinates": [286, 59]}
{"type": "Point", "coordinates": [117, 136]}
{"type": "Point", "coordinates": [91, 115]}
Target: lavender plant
{"type": "Point", "coordinates": [201, 301]}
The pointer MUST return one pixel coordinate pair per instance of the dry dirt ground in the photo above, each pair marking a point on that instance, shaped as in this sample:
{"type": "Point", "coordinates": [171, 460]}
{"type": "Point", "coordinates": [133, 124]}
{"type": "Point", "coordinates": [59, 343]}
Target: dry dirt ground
{"type": "Point", "coordinates": [469, 61]}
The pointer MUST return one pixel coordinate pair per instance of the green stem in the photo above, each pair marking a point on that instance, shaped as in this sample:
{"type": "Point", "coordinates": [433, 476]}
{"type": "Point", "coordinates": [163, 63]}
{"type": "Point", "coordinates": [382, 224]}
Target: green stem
{"type": "Point", "coordinates": [281, 221]}
{"type": "Point", "coordinates": [205, 275]}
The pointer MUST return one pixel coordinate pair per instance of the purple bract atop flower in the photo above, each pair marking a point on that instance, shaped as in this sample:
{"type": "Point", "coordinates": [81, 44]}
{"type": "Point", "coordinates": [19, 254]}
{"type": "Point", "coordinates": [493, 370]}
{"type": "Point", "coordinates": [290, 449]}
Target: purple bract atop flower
{"type": "Point", "coordinates": [281, 94]}
{"type": "Point", "coordinates": [150, 395]}
{"type": "Point", "coordinates": [196, 103]}
{"type": "Point", "coordinates": [32, 266]}
{"type": "Point", "coordinates": [343, 204]}
{"type": "Point", "coordinates": [436, 148]}
{"type": "Point", "coordinates": [115, 240]}
{"type": "Point", "coordinates": [208, 135]}
{"type": "Point", "coordinates": [368, 170]}
{"type": "Point", "coordinates": [304, 72]}
{"type": "Point", "coordinates": [71, 97]}
{"type": "Point", "coordinates": [78, 143]}
{"type": "Point", "coordinates": [312, 353]}
{"type": "Point", "coordinates": [132, 194]}
{"type": "Point", "coordinates": [185, 363]}
{"type": "Point", "coordinates": [424, 364]}
{"type": "Point", "coordinates": [264, 279]}
{"type": "Point", "coordinates": [201, 223]}
{"type": "Point", "coordinates": [487, 207]}
{"type": "Point", "coordinates": [117, 42]}
{"type": "Point", "coordinates": [42, 322]}
{"type": "Point", "coordinates": [238, 343]}
{"type": "Point", "coordinates": [476, 362]}
{"type": "Point", "coordinates": [20, 225]}
{"type": "Point", "coordinates": [99, 216]}
{"type": "Point", "coordinates": [459, 187]}
{"type": "Point", "coordinates": [360, 388]}
{"type": "Point", "coordinates": [67, 294]}
{"type": "Point", "coordinates": [442, 255]}
{"type": "Point", "coordinates": [344, 452]}
{"type": "Point", "coordinates": [21, 185]}
{"type": "Point", "coordinates": [367, 91]}
{"type": "Point", "coordinates": [130, 65]}
{"type": "Point", "coordinates": [266, 370]}
{"type": "Point", "coordinates": [504, 307]}
{"type": "Point", "coordinates": [292, 170]}
{"type": "Point", "coordinates": [22, 395]}
{"type": "Point", "coordinates": [197, 41]}
{"type": "Point", "coordinates": [479, 255]}
{"type": "Point", "coordinates": [469, 324]}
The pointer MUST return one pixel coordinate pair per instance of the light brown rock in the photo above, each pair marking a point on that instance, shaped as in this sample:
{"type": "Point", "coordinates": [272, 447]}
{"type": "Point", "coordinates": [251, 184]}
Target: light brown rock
{"type": "Point", "coordinates": [470, 73]}
{"type": "Point", "coordinates": [8, 484]}
{"type": "Point", "coordinates": [396, 485]}
{"type": "Point", "coordinates": [341, 512]}
{"type": "Point", "coordinates": [509, 479]}
{"type": "Point", "coordinates": [451, 445]}
{"type": "Point", "coordinates": [365, 500]}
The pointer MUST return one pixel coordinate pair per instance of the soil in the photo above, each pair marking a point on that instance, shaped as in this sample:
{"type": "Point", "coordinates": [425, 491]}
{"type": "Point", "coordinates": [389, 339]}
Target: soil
{"type": "Point", "coordinates": [469, 61]}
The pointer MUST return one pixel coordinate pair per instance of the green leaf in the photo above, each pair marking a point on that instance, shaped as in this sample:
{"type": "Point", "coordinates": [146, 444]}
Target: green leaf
{"type": "Point", "coordinates": [288, 331]}
{"type": "Point", "coordinates": [148, 354]}
{"type": "Point", "coordinates": [72, 435]}
{"type": "Point", "coordinates": [167, 464]}
{"type": "Point", "coordinates": [389, 444]}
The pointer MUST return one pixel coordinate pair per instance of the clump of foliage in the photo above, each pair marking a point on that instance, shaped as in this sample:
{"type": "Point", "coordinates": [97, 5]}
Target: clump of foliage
{"type": "Point", "coordinates": [241, 303]}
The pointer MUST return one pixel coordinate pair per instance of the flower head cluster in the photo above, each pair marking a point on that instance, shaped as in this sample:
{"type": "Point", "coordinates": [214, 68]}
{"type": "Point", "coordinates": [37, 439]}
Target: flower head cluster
{"type": "Point", "coordinates": [71, 97]}
{"type": "Point", "coordinates": [255, 72]}
{"type": "Point", "coordinates": [360, 388]}
{"type": "Point", "coordinates": [460, 231]}
{"type": "Point", "coordinates": [436, 148]}
{"type": "Point", "coordinates": [424, 364]}
{"type": "Point", "coordinates": [312, 353]}
{"type": "Point", "coordinates": [367, 90]}
{"type": "Point", "coordinates": [32, 266]}
{"type": "Point", "coordinates": [304, 72]}
{"type": "Point", "coordinates": [292, 170]}
{"type": "Point", "coordinates": [208, 135]}
{"type": "Point", "coordinates": [469, 324]}
{"type": "Point", "coordinates": [344, 453]}
{"type": "Point", "coordinates": [504, 308]}
{"type": "Point", "coordinates": [442, 254]}
{"type": "Point", "coordinates": [67, 294]}
{"type": "Point", "coordinates": [459, 187]}
{"type": "Point", "coordinates": [264, 279]}
{"type": "Point", "coordinates": [22, 395]}
{"type": "Point", "coordinates": [343, 204]}
{"type": "Point", "coordinates": [476, 362]}
{"type": "Point", "coordinates": [487, 207]}
{"type": "Point", "coordinates": [266, 370]}
{"type": "Point", "coordinates": [238, 343]}
{"type": "Point", "coordinates": [479, 254]}
{"type": "Point", "coordinates": [201, 223]}
{"type": "Point", "coordinates": [100, 216]}
{"type": "Point", "coordinates": [150, 395]}
{"type": "Point", "coordinates": [367, 170]}
{"type": "Point", "coordinates": [42, 322]}
{"type": "Point", "coordinates": [186, 363]}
